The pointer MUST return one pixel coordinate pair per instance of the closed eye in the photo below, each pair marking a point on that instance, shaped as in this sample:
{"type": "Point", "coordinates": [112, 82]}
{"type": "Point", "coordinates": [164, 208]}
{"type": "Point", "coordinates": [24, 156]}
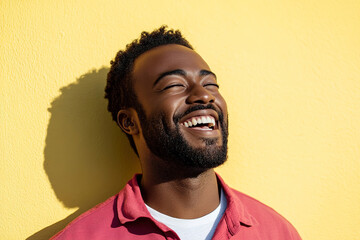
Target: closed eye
{"type": "Point", "coordinates": [212, 84]}
{"type": "Point", "coordinates": [173, 85]}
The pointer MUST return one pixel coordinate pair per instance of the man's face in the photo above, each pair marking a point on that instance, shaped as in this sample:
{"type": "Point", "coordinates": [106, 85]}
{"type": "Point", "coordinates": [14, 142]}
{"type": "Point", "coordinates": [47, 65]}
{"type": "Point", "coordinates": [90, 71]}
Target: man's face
{"type": "Point", "coordinates": [182, 114]}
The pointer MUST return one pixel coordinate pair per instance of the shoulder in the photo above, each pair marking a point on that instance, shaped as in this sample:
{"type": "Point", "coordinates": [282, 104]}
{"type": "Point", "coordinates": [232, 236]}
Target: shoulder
{"type": "Point", "coordinates": [99, 217]}
{"type": "Point", "coordinates": [267, 219]}
{"type": "Point", "coordinates": [255, 207]}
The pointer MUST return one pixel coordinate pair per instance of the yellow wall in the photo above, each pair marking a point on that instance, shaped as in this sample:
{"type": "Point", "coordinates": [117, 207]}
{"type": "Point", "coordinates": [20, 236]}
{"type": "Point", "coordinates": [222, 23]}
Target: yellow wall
{"type": "Point", "coordinates": [290, 71]}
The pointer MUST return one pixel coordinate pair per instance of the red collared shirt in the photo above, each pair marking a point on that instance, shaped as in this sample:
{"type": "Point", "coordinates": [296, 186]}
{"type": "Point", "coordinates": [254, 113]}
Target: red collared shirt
{"type": "Point", "coordinates": [125, 216]}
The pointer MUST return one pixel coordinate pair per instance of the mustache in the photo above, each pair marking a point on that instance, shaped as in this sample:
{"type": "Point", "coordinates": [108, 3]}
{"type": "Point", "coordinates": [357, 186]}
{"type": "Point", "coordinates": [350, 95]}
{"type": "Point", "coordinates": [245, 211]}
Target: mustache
{"type": "Point", "coordinates": [199, 107]}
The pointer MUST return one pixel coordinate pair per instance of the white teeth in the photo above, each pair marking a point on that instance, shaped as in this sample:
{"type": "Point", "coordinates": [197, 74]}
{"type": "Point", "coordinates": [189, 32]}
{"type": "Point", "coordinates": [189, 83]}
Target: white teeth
{"type": "Point", "coordinates": [208, 120]}
{"type": "Point", "coordinates": [194, 122]}
{"type": "Point", "coordinates": [204, 120]}
{"type": "Point", "coordinates": [200, 120]}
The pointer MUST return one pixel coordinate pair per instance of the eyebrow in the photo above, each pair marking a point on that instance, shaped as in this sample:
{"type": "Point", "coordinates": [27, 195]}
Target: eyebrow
{"type": "Point", "coordinates": [181, 72]}
{"type": "Point", "coordinates": [206, 72]}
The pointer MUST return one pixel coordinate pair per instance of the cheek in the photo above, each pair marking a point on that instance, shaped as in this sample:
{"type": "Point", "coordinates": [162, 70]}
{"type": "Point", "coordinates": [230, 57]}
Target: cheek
{"type": "Point", "coordinates": [222, 104]}
{"type": "Point", "coordinates": [163, 113]}
{"type": "Point", "coordinates": [172, 106]}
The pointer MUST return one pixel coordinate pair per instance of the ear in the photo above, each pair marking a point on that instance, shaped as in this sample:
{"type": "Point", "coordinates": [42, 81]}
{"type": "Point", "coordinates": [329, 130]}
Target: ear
{"type": "Point", "coordinates": [126, 121]}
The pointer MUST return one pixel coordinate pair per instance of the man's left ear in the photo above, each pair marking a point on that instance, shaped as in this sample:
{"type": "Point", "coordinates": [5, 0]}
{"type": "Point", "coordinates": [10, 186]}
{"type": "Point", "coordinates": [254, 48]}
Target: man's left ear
{"type": "Point", "coordinates": [127, 122]}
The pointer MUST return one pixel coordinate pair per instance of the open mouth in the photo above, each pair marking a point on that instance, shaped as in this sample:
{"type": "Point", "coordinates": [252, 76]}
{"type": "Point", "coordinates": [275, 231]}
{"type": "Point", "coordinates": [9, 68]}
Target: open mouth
{"type": "Point", "coordinates": [206, 122]}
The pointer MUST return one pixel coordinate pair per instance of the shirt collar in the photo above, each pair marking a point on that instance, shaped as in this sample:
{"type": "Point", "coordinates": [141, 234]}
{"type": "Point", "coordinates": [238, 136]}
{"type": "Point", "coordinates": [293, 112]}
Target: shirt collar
{"type": "Point", "coordinates": [131, 206]}
{"type": "Point", "coordinates": [236, 213]}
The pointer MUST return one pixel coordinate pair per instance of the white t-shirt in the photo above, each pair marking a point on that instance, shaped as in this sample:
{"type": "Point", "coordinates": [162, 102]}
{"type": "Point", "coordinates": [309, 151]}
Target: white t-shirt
{"type": "Point", "coordinates": [202, 228]}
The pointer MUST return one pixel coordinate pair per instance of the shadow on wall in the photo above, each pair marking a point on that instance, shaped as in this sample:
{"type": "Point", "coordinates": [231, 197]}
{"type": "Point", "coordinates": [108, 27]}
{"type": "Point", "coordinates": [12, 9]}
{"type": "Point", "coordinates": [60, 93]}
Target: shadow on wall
{"type": "Point", "coordinates": [87, 157]}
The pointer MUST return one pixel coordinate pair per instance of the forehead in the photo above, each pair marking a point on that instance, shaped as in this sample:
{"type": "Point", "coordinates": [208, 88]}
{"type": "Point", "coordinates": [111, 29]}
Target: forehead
{"type": "Point", "coordinates": [152, 63]}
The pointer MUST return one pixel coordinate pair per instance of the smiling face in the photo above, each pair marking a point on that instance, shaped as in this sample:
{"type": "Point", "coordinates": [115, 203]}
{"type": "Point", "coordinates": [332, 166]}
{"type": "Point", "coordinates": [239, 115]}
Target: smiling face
{"type": "Point", "coordinates": [182, 114]}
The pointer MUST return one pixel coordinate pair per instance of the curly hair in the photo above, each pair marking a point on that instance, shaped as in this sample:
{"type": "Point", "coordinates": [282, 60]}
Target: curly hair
{"type": "Point", "coordinates": [119, 89]}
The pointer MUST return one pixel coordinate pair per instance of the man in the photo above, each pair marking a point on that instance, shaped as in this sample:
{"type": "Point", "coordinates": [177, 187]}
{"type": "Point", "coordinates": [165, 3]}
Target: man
{"type": "Point", "coordinates": [166, 99]}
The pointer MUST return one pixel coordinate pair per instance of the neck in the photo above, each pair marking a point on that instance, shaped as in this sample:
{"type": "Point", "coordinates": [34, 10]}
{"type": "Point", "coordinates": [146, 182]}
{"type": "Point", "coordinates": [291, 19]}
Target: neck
{"type": "Point", "coordinates": [188, 196]}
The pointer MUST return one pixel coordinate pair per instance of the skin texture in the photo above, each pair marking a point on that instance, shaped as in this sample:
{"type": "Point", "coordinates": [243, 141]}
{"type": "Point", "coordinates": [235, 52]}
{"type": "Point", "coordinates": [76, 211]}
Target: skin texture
{"type": "Point", "coordinates": [167, 185]}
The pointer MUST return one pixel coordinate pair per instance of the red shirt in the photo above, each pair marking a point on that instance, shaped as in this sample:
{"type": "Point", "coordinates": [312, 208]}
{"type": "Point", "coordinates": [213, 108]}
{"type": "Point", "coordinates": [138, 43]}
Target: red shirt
{"type": "Point", "coordinates": [125, 216]}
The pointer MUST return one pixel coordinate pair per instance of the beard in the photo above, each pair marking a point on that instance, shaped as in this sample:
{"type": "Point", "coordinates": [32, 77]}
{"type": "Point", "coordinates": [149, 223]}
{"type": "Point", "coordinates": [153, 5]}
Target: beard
{"type": "Point", "coordinates": [169, 144]}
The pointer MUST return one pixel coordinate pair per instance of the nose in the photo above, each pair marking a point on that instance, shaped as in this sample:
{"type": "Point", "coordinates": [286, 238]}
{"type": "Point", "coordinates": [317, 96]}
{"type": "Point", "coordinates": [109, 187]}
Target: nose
{"type": "Point", "coordinates": [199, 94]}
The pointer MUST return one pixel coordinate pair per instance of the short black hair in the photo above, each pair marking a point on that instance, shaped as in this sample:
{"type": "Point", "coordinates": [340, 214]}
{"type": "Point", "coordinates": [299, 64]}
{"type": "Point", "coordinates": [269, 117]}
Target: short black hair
{"type": "Point", "coordinates": [119, 89]}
